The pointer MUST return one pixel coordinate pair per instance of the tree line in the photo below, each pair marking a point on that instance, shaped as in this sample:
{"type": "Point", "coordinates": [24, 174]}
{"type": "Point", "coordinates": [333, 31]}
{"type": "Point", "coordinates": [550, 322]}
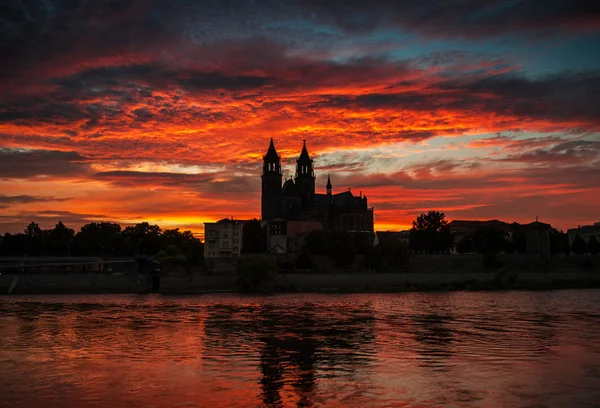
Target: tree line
{"type": "Point", "coordinates": [105, 239]}
{"type": "Point", "coordinates": [431, 233]}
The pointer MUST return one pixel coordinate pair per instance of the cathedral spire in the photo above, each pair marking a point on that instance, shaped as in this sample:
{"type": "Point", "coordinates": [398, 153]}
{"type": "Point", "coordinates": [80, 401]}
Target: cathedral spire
{"type": "Point", "coordinates": [329, 186]}
{"type": "Point", "coordinates": [304, 156]}
{"type": "Point", "coordinates": [271, 153]}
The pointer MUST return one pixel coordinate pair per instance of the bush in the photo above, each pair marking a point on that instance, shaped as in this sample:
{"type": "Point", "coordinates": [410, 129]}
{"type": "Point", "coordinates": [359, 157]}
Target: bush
{"type": "Point", "coordinates": [491, 261]}
{"type": "Point", "coordinates": [304, 261]}
{"type": "Point", "coordinates": [255, 271]}
{"type": "Point", "coordinates": [285, 265]}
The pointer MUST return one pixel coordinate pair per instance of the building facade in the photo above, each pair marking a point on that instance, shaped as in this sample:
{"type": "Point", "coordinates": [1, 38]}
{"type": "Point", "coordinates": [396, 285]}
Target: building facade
{"type": "Point", "coordinates": [223, 239]}
{"type": "Point", "coordinates": [297, 200]}
{"type": "Point", "coordinates": [585, 231]}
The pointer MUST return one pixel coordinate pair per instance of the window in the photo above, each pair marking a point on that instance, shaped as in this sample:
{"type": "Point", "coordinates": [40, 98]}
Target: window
{"type": "Point", "coordinates": [211, 245]}
{"type": "Point", "coordinates": [212, 234]}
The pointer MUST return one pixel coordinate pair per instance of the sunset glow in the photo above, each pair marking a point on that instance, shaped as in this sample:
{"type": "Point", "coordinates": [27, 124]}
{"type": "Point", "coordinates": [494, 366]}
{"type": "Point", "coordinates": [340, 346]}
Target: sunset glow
{"type": "Point", "coordinates": [161, 111]}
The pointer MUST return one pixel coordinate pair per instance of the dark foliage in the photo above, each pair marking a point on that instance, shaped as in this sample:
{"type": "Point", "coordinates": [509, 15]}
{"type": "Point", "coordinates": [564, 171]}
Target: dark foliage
{"type": "Point", "coordinates": [304, 261]}
{"type": "Point", "coordinates": [579, 246]}
{"type": "Point", "coordinates": [339, 246]}
{"type": "Point", "coordinates": [559, 242]}
{"type": "Point", "coordinates": [105, 239]}
{"type": "Point", "coordinates": [519, 239]}
{"type": "Point", "coordinates": [253, 238]}
{"type": "Point", "coordinates": [255, 271]}
{"type": "Point", "coordinates": [593, 247]}
{"type": "Point", "coordinates": [430, 233]}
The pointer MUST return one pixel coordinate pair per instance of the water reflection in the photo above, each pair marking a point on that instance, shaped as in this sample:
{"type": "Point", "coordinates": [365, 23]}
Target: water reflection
{"type": "Point", "coordinates": [434, 339]}
{"type": "Point", "coordinates": [427, 350]}
{"type": "Point", "coordinates": [293, 342]}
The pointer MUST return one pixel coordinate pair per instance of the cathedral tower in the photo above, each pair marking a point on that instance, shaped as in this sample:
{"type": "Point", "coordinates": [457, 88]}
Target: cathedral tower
{"type": "Point", "coordinates": [305, 179]}
{"type": "Point", "coordinates": [271, 200]}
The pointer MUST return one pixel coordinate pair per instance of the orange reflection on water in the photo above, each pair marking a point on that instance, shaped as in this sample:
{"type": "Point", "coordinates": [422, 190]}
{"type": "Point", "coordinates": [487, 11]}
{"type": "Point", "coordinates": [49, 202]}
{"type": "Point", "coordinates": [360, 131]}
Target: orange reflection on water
{"type": "Point", "coordinates": [413, 350]}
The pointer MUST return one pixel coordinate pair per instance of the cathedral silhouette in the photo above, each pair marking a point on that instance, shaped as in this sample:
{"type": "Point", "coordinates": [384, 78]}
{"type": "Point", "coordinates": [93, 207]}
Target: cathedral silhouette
{"type": "Point", "coordinates": [296, 199]}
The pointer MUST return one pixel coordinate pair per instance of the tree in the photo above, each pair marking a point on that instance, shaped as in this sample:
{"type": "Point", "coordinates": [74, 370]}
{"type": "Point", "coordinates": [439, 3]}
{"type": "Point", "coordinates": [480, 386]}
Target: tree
{"type": "Point", "coordinates": [341, 248]}
{"type": "Point", "coordinates": [99, 238]}
{"type": "Point", "coordinates": [60, 239]}
{"type": "Point", "coordinates": [317, 243]}
{"type": "Point", "coordinates": [189, 248]}
{"type": "Point", "coordinates": [579, 246]}
{"type": "Point", "coordinates": [142, 239]}
{"type": "Point", "coordinates": [253, 237]}
{"type": "Point", "coordinates": [465, 245]}
{"type": "Point", "coordinates": [14, 244]}
{"type": "Point", "coordinates": [430, 233]}
{"type": "Point", "coordinates": [171, 254]}
{"type": "Point", "coordinates": [559, 242]}
{"type": "Point", "coordinates": [593, 247]}
{"type": "Point", "coordinates": [519, 239]}
{"type": "Point", "coordinates": [34, 239]}
{"type": "Point", "coordinates": [489, 240]}
{"type": "Point", "coordinates": [255, 271]}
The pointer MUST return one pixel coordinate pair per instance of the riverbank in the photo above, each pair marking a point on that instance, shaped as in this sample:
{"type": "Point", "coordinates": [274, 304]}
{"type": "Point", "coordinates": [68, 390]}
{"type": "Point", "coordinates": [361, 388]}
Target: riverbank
{"type": "Point", "coordinates": [298, 282]}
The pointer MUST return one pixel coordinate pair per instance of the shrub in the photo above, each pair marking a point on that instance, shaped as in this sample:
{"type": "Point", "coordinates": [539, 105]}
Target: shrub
{"type": "Point", "coordinates": [491, 261]}
{"type": "Point", "coordinates": [304, 261]}
{"type": "Point", "coordinates": [255, 271]}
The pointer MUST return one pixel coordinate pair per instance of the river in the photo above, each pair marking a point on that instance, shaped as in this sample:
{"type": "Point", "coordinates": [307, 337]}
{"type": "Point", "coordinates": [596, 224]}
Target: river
{"type": "Point", "coordinates": [457, 349]}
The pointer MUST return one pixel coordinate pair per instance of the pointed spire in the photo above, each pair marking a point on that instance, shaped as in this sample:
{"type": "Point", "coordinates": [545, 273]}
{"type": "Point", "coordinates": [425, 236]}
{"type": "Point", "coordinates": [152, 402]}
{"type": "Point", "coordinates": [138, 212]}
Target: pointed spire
{"type": "Point", "coordinates": [271, 153]}
{"type": "Point", "coordinates": [304, 156]}
{"type": "Point", "coordinates": [328, 181]}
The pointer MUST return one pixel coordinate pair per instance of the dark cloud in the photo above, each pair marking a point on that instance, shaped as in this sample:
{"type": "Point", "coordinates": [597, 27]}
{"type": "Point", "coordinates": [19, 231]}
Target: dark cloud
{"type": "Point", "coordinates": [567, 153]}
{"type": "Point", "coordinates": [221, 182]}
{"type": "Point", "coordinates": [22, 163]}
{"type": "Point", "coordinates": [9, 201]}
{"type": "Point", "coordinates": [569, 96]}
{"type": "Point", "coordinates": [462, 18]}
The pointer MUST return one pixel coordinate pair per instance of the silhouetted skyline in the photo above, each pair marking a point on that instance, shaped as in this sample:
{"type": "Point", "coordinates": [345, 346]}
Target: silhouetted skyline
{"type": "Point", "coordinates": [161, 111]}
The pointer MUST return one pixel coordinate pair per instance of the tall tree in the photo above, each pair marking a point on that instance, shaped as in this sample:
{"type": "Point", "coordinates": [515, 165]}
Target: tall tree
{"type": "Point", "coordinates": [142, 239]}
{"type": "Point", "coordinates": [430, 233]}
{"type": "Point", "coordinates": [60, 239]}
{"type": "Point", "coordinates": [99, 238]}
{"type": "Point", "coordinates": [34, 240]}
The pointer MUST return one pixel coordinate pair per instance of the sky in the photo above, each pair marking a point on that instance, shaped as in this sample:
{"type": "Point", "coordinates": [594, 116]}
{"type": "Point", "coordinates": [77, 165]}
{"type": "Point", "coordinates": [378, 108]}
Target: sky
{"type": "Point", "coordinates": [161, 111]}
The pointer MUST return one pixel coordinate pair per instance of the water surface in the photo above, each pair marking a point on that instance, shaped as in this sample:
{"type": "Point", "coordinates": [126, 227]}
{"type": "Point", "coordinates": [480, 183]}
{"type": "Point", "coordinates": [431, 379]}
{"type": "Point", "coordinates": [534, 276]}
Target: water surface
{"type": "Point", "coordinates": [460, 349]}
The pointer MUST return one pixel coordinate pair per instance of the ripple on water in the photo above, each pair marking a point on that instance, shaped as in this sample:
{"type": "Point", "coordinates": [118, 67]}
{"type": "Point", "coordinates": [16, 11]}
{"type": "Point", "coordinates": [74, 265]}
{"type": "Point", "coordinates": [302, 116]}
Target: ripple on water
{"type": "Point", "coordinates": [440, 349]}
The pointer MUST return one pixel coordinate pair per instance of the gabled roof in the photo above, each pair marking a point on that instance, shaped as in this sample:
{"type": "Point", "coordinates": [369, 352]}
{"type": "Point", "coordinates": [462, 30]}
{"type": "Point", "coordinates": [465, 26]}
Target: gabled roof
{"type": "Point", "coordinates": [271, 153]}
{"type": "Point", "coordinates": [343, 199]}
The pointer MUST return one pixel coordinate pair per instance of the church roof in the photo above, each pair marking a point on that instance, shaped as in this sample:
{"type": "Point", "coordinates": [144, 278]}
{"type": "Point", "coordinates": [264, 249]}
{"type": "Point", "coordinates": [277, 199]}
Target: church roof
{"type": "Point", "coordinates": [271, 153]}
{"type": "Point", "coordinates": [289, 188]}
{"type": "Point", "coordinates": [343, 199]}
{"type": "Point", "coordinates": [322, 200]}
{"type": "Point", "coordinates": [304, 156]}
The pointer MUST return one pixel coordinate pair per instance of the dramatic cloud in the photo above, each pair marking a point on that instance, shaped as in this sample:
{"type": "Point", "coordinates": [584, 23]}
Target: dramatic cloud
{"type": "Point", "coordinates": [161, 111]}
{"type": "Point", "coordinates": [9, 201]}
{"type": "Point", "coordinates": [23, 164]}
